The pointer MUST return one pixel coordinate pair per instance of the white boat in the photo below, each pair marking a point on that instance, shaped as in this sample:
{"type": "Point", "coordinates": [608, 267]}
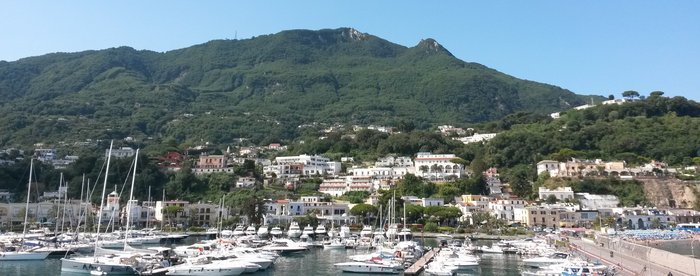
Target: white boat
{"type": "Point", "coordinates": [250, 230]}
{"type": "Point", "coordinates": [25, 255]}
{"type": "Point", "coordinates": [294, 230]}
{"type": "Point", "coordinates": [284, 246]}
{"type": "Point", "coordinates": [440, 269]}
{"type": "Point", "coordinates": [308, 230]}
{"type": "Point", "coordinates": [556, 258]}
{"type": "Point", "coordinates": [366, 231]}
{"type": "Point", "coordinates": [263, 231]}
{"type": "Point", "coordinates": [370, 267]}
{"type": "Point", "coordinates": [276, 232]}
{"type": "Point", "coordinates": [405, 235]}
{"type": "Point", "coordinates": [334, 244]}
{"type": "Point", "coordinates": [239, 231]}
{"type": "Point", "coordinates": [320, 230]}
{"type": "Point", "coordinates": [205, 267]}
{"type": "Point", "coordinates": [492, 249]}
{"type": "Point", "coordinates": [569, 269]}
{"type": "Point", "coordinates": [112, 265]}
{"type": "Point", "coordinates": [344, 232]}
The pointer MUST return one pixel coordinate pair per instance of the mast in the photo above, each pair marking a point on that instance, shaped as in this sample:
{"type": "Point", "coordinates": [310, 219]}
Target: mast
{"type": "Point", "coordinates": [128, 203]}
{"type": "Point", "coordinates": [162, 209]}
{"type": "Point", "coordinates": [26, 208]}
{"type": "Point", "coordinates": [404, 215]}
{"type": "Point", "coordinates": [82, 188]}
{"type": "Point", "coordinates": [65, 202]}
{"type": "Point", "coordinates": [58, 207]}
{"type": "Point", "coordinates": [102, 198]}
{"type": "Point", "coordinates": [148, 212]}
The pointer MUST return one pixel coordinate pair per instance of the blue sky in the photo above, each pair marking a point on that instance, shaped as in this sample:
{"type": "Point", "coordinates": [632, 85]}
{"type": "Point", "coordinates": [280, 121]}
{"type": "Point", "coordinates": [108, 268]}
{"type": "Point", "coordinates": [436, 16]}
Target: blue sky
{"type": "Point", "coordinates": [590, 47]}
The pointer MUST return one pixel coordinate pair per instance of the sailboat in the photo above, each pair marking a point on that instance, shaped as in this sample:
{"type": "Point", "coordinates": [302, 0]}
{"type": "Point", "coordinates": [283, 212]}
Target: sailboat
{"type": "Point", "coordinates": [112, 264]}
{"type": "Point", "coordinates": [22, 255]}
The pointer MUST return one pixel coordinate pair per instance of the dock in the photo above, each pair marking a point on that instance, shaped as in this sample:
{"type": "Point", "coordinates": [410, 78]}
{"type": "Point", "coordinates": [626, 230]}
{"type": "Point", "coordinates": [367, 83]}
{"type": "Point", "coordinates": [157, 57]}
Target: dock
{"type": "Point", "coordinates": [418, 266]}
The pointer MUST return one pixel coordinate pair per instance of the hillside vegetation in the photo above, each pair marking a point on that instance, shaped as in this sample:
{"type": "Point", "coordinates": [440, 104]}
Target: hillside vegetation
{"type": "Point", "coordinates": [261, 88]}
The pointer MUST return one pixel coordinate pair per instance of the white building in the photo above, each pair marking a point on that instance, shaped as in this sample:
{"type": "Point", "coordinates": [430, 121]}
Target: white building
{"type": "Point", "coordinates": [595, 202]}
{"type": "Point", "coordinates": [382, 172]}
{"type": "Point", "coordinates": [476, 138]}
{"type": "Point", "coordinates": [287, 166]}
{"type": "Point", "coordinates": [244, 182]}
{"type": "Point", "coordinates": [123, 152]}
{"type": "Point", "coordinates": [507, 209]}
{"type": "Point", "coordinates": [437, 166]}
{"type": "Point", "coordinates": [560, 193]}
{"type": "Point", "coordinates": [427, 202]}
{"type": "Point", "coordinates": [392, 161]}
{"type": "Point", "coordinates": [550, 166]}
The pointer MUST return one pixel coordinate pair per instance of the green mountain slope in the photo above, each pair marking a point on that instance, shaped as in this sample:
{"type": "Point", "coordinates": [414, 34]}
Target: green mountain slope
{"type": "Point", "coordinates": [260, 88]}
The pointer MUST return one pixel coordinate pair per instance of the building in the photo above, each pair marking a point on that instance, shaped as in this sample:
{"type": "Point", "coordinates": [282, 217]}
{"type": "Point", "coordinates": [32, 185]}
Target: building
{"type": "Point", "coordinates": [111, 211]}
{"type": "Point", "coordinates": [306, 165]}
{"type": "Point", "coordinates": [45, 155]}
{"type": "Point", "coordinates": [477, 138]}
{"type": "Point", "coordinates": [141, 215]}
{"type": "Point", "coordinates": [541, 216]}
{"type": "Point", "coordinates": [212, 164]}
{"type": "Point", "coordinates": [206, 214]}
{"type": "Point", "coordinates": [507, 209]}
{"type": "Point", "coordinates": [171, 161]}
{"type": "Point", "coordinates": [382, 172]}
{"type": "Point", "coordinates": [244, 182]}
{"type": "Point", "coordinates": [560, 193]}
{"type": "Point", "coordinates": [427, 202]}
{"type": "Point", "coordinates": [394, 161]}
{"type": "Point", "coordinates": [437, 167]}
{"type": "Point", "coordinates": [123, 152]}
{"type": "Point", "coordinates": [179, 218]}
{"type": "Point", "coordinates": [550, 166]}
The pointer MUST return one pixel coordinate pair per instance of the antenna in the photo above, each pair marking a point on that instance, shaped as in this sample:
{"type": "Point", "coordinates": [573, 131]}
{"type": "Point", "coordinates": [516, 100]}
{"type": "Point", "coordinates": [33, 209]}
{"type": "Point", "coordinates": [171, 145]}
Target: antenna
{"type": "Point", "coordinates": [235, 35]}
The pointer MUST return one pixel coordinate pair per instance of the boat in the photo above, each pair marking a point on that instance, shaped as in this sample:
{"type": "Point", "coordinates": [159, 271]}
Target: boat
{"type": "Point", "coordinates": [492, 249]}
{"type": "Point", "coordinates": [344, 232]}
{"type": "Point", "coordinates": [250, 230]}
{"type": "Point", "coordinates": [440, 269]}
{"type": "Point", "coordinates": [205, 267]}
{"type": "Point", "coordinates": [294, 230]}
{"type": "Point", "coordinates": [308, 230]}
{"type": "Point", "coordinates": [21, 254]}
{"type": "Point", "coordinates": [334, 244]}
{"type": "Point", "coordinates": [320, 230]}
{"type": "Point", "coordinates": [537, 262]}
{"type": "Point", "coordinates": [405, 234]}
{"type": "Point", "coordinates": [366, 231]}
{"type": "Point", "coordinates": [370, 267]}
{"type": "Point", "coordinates": [284, 246]}
{"type": "Point", "coordinates": [239, 231]}
{"type": "Point", "coordinates": [263, 231]}
{"type": "Point", "coordinates": [276, 232]}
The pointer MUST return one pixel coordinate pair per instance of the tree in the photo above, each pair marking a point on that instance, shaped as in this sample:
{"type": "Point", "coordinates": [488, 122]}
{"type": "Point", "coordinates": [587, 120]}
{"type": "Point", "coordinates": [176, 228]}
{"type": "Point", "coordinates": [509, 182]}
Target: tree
{"type": "Point", "coordinates": [630, 94]}
{"type": "Point", "coordinates": [520, 178]}
{"type": "Point", "coordinates": [414, 213]}
{"type": "Point", "coordinates": [551, 199]}
{"type": "Point", "coordinates": [656, 94]}
{"type": "Point", "coordinates": [171, 212]}
{"type": "Point", "coordinates": [364, 211]}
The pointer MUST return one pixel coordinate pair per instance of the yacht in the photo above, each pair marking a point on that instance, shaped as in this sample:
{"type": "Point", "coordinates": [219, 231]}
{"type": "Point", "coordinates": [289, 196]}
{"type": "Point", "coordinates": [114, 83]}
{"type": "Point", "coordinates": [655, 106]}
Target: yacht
{"type": "Point", "coordinates": [239, 231]}
{"type": "Point", "coordinates": [371, 267]}
{"type": "Point", "coordinates": [440, 269]}
{"type": "Point", "coordinates": [284, 246]}
{"type": "Point", "coordinates": [537, 262]}
{"type": "Point", "coordinates": [320, 230]}
{"type": "Point", "coordinates": [405, 235]}
{"type": "Point", "coordinates": [294, 230]}
{"type": "Point", "coordinates": [492, 249]}
{"type": "Point", "coordinates": [250, 231]}
{"type": "Point", "coordinates": [263, 231]}
{"type": "Point", "coordinates": [203, 266]}
{"type": "Point", "coordinates": [344, 232]}
{"type": "Point", "coordinates": [366, 231]}
{"type": "Point", "coordinates": [276, 232]}
{"type": "Point", "coordinates": [334, 244]}
{"type": "Point", "coordinates": [308, 230]}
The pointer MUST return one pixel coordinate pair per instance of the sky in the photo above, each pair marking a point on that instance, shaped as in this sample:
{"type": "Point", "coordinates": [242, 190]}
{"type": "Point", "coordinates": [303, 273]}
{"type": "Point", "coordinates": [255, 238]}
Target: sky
{"type": "Point", "coordinates": [589, 47]}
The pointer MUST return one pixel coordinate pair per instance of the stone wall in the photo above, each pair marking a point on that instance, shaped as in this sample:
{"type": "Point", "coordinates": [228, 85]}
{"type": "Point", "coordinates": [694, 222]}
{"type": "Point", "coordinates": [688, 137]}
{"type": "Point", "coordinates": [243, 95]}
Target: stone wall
{"type": "Point", "coordinates": [659, 257]}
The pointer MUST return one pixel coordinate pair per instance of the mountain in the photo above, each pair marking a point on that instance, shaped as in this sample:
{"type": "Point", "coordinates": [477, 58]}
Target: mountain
{"type": "Point", "coordinates": [261, 88]}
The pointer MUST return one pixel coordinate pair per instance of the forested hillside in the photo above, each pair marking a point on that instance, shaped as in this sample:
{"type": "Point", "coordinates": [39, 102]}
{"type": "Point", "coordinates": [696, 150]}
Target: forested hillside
{"type": "Point", "coordinates": [261, 88]}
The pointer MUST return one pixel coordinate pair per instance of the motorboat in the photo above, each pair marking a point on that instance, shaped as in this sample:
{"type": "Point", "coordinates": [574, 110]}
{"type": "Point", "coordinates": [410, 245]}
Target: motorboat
{"type": "Point", "coordinates": [239, 231]}
{"type": "Point", "coordinates": [440, 269]}
{"type": "Point", "coordinates": [205, 267]}
{"type": "Point", "coordinates": [308, 230]}
{"type": "Point", "coordinates": [370, 267]}
{"type": "Point", "coordinates": [250, 231]}
{"type": "Point", "coordinates": [276, 232]}
{"type": "Point", "coordinates": [320, 230]}
{"type": "Point", "coordinates": [491, 249]}
{"type": "Point", "coordinates": [294, 230]}
{"type": "Point", "coordinates": [334, 244]}
{"type": "Point", "coordinates": [366, 231]}
{"type": "Point", "coordinates": [405, 234]}
{"type": "Point", "coordinates": [344, 232]}
{"type": "Point", "coordinates": [284, 246]}
{"type": "Point", "coordinates": [263, 231]}
{"type": "Point", "coordinates": [537, 262]}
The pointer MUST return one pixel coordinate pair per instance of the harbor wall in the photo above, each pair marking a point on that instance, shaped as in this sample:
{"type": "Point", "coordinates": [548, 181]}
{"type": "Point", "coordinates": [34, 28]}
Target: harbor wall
{"type": "Point", "coordinates": [678, 262]}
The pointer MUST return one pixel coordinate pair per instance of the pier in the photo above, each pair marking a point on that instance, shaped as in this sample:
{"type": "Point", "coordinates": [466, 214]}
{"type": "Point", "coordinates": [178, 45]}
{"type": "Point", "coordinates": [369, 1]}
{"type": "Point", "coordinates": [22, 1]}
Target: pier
{"type": "Point", "coordinates": [418, 266]}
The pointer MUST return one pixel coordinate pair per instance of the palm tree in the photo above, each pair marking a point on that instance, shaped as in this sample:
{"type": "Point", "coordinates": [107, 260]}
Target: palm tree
{"type": "Point", "coordinates": [424, 169]}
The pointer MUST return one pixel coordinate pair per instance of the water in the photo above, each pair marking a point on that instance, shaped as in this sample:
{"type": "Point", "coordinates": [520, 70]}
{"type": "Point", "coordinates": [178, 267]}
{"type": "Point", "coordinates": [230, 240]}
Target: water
{"type": "Point", "coordinates": [314, 262]}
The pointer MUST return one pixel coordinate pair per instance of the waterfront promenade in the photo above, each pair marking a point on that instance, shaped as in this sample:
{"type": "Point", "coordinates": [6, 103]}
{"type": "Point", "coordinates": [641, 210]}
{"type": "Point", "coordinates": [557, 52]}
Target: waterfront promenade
{"type": "Point", "coordinates": [627, 265]}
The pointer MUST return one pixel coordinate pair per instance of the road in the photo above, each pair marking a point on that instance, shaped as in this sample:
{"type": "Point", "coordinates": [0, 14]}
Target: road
{"type": "Point", "coordinates": [630, 265]}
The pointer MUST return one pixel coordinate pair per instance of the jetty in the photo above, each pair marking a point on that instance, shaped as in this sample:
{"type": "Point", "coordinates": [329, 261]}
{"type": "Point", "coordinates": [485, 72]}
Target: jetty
{"type": "Point", "coordinates": [418, 266]}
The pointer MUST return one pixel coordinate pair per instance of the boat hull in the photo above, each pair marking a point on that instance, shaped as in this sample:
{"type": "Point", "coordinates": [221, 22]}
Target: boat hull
{"type": "Point", "coordinates": [85, 267]}
{"type": "Point", "coordinates": [23, 256]}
